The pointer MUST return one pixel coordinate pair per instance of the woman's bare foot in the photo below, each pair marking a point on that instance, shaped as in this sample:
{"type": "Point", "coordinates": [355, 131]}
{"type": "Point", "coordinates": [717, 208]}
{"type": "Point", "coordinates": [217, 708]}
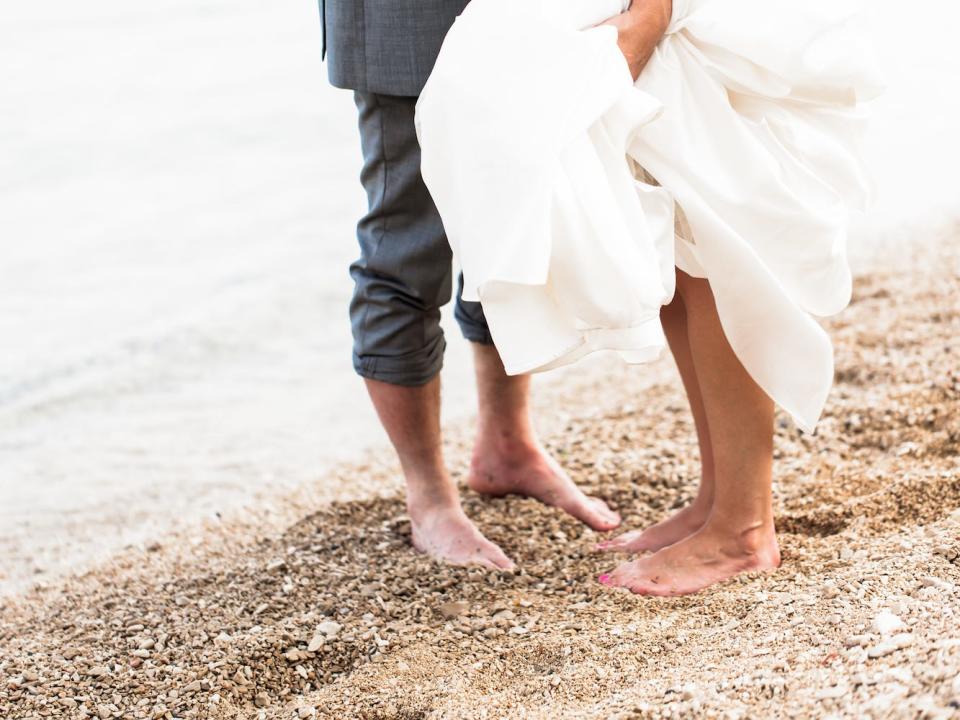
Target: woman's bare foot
{"type": "Point", "coordinates": [709, 556]}
{"type": "Point", "coordinates": [447, 534]}
{"type": "Point", "coordinates": [683, 523]}
{"type": "Point", "coordinates": [523, 468]}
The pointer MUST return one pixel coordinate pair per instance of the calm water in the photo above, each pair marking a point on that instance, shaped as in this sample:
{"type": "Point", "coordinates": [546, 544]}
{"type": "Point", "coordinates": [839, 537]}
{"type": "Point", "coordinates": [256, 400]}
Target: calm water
{"type": "Point", "coordinates": [177, 198]}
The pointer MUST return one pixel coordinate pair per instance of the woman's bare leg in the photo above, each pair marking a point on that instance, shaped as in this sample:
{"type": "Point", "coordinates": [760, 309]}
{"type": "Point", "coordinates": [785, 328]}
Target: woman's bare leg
{"type": "Point", "coordinates": [691, 518]}
{"type": "Point", "coordinates": [739, 534]}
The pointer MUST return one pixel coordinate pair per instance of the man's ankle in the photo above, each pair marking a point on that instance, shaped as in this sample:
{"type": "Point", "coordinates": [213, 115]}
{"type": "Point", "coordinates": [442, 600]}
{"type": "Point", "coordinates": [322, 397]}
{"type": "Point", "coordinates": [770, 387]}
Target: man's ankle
{"type": "Point", "coordinates": [506, 444]}
{"type": "Point", "coordinates": [423, 502]}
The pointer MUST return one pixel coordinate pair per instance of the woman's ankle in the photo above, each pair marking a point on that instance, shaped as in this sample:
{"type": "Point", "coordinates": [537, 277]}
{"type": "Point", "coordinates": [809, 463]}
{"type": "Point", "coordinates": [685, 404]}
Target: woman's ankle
{"type": "Point", "coordinates": [742, 534]}
{"type": "Point", "coordinates": [702, 505]}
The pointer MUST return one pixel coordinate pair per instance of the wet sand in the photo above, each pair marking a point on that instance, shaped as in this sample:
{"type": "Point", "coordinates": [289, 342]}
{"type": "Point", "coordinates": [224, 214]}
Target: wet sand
{"type": "Point", "coordinates": [308, 609]}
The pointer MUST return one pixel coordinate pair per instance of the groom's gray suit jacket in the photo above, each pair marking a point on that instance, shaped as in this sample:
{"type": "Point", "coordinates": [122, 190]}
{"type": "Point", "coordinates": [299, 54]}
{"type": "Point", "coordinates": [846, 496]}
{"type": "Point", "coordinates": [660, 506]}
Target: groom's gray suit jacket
{"type": "Point", "coordinates": [385, 46]}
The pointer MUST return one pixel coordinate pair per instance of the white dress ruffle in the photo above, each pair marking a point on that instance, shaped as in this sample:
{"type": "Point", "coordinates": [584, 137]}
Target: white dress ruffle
{"type": "Point", "coordinates": [749, 117]}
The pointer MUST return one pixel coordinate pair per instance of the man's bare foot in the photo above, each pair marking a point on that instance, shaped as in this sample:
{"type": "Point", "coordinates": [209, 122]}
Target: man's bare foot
{"type": "Point", "coordinates": [682, 524]}
{"type": "Point", "coordinates": [523, 468]}
{"type": "Point", "coordinates": [707, 557]}
{"type": "Point", "coordinates": [447, 534]}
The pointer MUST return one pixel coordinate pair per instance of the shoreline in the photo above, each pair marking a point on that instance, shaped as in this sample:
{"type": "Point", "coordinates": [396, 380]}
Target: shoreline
{"type": "Point", "coordinates": [170, 334]}
{"type": "Point", "coordinates": [314, 606]}
{"type": "Point", "coordinates": [42, 551]}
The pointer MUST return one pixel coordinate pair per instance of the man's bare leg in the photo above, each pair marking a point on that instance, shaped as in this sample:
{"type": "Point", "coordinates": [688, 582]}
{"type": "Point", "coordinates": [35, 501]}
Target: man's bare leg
{"type": "Point", "coordinates": [507, 457]}
{"type": "Point", "coordinates": [411, 417]}
{"type": "Point", "coordinates": [739, 534]}
{"type": "Point", "coordinates": [692, 517]}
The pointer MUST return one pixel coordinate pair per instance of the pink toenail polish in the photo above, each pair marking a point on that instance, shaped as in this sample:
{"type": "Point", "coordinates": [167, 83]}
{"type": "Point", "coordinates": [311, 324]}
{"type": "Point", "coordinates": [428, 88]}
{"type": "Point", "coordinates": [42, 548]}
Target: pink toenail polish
{"type": "Point", "coordinates": [604, 579]}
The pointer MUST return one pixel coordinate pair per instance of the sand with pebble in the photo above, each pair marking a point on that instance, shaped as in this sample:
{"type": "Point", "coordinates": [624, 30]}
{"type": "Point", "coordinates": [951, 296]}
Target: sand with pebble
{"type": "Point", "coordinates": [309, 610]}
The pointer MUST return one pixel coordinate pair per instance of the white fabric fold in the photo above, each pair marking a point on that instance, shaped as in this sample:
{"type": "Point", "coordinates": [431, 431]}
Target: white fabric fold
{"type": "Point", "coordinates": [759, 143]}
{"type": "Point", "coordinates": [748, 116]}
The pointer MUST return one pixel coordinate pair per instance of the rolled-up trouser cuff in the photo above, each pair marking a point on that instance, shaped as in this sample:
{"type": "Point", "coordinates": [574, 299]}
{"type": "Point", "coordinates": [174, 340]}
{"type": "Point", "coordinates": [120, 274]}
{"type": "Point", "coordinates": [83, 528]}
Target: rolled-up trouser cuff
{"type": "Point", "coordinates": [469, 316]}
{"type": "Point", "coordinates": [403, 275]}
{"type": "Point", "coordinates": [472, 330]}
{"type": "Point", "coordinates": [413, 370]}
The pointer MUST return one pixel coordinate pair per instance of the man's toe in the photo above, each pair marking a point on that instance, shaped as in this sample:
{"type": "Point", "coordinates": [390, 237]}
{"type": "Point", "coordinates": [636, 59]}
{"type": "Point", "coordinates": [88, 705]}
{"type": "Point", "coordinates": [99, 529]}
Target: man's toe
{"type": "Point", "coordinates": [498, 558]}
{"type": "Point", "coordinates": [592, 512]}
{"type": "Point", "coordinates": [610, 517]}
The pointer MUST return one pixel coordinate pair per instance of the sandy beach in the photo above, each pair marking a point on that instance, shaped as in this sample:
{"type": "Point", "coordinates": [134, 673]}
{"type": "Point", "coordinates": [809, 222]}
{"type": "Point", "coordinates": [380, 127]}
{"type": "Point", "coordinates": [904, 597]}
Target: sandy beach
{"type": "Point", "coordinates": [198, 514]}
{"type": "Point", "coordinates": [177, 216]}
{"type": "Point", "coordinates": [308, 610]}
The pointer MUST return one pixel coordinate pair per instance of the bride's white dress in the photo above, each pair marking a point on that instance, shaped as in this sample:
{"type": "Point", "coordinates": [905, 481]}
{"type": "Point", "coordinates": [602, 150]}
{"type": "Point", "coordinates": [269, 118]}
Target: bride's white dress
{"type": "Point", "coordinates": [557, 177]}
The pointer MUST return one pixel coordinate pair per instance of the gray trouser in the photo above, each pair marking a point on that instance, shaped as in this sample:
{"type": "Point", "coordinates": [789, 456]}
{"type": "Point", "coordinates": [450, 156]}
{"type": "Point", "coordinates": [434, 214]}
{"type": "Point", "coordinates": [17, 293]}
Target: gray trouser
{"type": "Point", "coordinates": [404, 274]}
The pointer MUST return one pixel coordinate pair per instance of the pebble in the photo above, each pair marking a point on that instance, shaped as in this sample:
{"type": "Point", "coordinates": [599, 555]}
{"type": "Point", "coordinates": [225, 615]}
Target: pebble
{"type": "Point", "coordinates": [858, 641]}
{"type": "Point", "coordinates": [329, 628]}
{"type": "Point", "coordinates": [950, 553]}
{"type": "Point", "coordinates": [294, 655]}
{"type": "Point", "coordinates": [453, 609]}
{"type": "Point", "coordinates": [931, 581]}
{"type": "Point", "coordinates": [887, 623]}
{"type": "Point", "coordinates": [891, 645]}
{"type": "Point", "coordinates": [881, 650]}
{"type": "Point", "coordinates": [900, 674]}
{"type": "Point", "coordinates": [903, 640]}
{"type": "Point", "coordinates": [832, 693]}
